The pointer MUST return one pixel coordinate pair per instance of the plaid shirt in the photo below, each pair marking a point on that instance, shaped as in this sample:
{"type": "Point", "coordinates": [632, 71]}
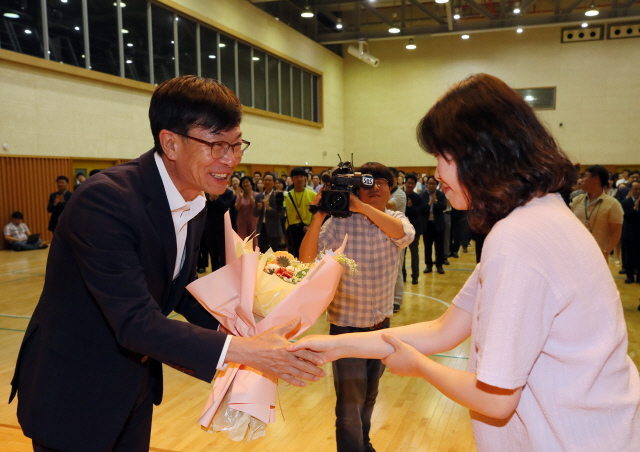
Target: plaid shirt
{"type": "Point", "coordinates": [366, 299]}
{"type": "Point", "coordinates": [20, 232]}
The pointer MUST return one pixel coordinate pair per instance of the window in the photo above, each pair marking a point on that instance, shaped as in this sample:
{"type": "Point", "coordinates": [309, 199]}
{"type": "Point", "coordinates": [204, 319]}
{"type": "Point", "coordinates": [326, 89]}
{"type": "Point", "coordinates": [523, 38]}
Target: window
{"type": "Point", "coordinates": [66, 32]}
{"type": "Point", "coordinates": [146, 42]}
{"type": "Point", "coordinates": [163, 44]}
{"type": "Point", "coordinates": [244, 74]}
{"type": "Point", "coordinates": [103, 36]}
{"type": "Point", "coordinates": [136, 42]}
{"type": "Point", "coordinates": [272, 85]}
{"type": "Point", "coordinates": [21, 27]}
{"type": "Point", "coordinates": [208, 52]}
{"type": "Point", "coordinates": [285, 88]}
{"type": "Point", "coordinates": [296, 83]}
{"type": "Point", "coordinates": [539, 98]}
{"type": "Point", "coordinates": [227, 62]}
{"type": "Point", "coordinates": [259, 80]}
{"type": "Point", "coordinates": [187, 47]}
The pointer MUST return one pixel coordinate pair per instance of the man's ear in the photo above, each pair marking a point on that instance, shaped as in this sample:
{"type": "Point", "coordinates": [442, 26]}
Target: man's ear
{"type": "Point", "coordinates": [171, 144]}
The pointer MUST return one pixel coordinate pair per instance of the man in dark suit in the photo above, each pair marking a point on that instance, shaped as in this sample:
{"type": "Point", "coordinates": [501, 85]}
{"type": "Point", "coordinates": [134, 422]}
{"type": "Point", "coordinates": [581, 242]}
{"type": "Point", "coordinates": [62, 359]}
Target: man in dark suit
{"type": "Point", "coordinates": [89, 368]}
{"type": "Point", "coordinates": [413, 213]}
{"type": "Point", "coordinates": [623, 192]}
{"type": "Point", "coordinates": [434, 202]}
{"type": "Point", "coordinates": [630, 237]}
{"type": "Point", "coordinates": [212, 242]}
{"type": "Point", "coordinates": [57, 201]}
{"type": "Point", "coordinates": [269, 214]}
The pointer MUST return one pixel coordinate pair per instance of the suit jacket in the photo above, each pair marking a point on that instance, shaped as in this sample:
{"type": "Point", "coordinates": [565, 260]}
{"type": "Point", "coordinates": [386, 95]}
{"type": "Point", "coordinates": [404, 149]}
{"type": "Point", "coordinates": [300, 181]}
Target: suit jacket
{"type": "Point", "coordinates": [414, 212]}
{"type": "Point", "coordinates": [438, 209]}
{"type": "Point", "coordinates": [56, 209]}
{"type": "Point", "coordinates": [100, 329]}
{"type": "Point", "coordinates": [622, 193]}
{"type": "Point", "coordinates": [216, 208]}
{"type": "Point", "coordinates": [273, 216]}
{"type": "Point", "coordinates": [631, 224]}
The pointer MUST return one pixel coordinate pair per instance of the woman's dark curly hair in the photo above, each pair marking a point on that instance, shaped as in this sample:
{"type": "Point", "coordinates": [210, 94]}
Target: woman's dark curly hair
{"type": "Point", "coordinates": [505, 156]}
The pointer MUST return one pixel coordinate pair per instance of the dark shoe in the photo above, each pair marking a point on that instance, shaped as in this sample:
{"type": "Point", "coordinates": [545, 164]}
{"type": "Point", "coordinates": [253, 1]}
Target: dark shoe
{"type": "Point", "coordinates": [622, 272]}
{"type": "Point", "coordinates": [427, 270]}
{"type": "Point", "coordinates": [440, 270]}
{"type": "Point", "coordinates": [455, 255]}
{"type": "Point", "coordinates": [43, 246]}
{"type": "Point", "coordinates": [414, 280]}
{"type": "Point", "coordinates": [464, 249]}
{"type": "Point", "coordinates": [202, 270]}
{"type": "Point", "coordinates": [446, 262]}
{"type": "Point", "coordinates": [396, 307]}
{"type": "Point", "coordinates": [404, 279]}
{"type": "Point", "coordinates": [369, 448]}
{"type": "Point", "coordinates": [629, 280]}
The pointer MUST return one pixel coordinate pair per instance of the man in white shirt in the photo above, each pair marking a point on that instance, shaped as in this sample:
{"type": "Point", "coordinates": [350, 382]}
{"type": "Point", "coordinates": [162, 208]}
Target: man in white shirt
{"type": "Point", "coordinates": [90, 367]}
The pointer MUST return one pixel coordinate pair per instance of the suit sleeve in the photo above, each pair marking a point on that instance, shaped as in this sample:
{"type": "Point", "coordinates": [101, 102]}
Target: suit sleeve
{"type": "Point", "coordinates": [104, 238]}
{"type": "Point", "coordinates": [441, 202]}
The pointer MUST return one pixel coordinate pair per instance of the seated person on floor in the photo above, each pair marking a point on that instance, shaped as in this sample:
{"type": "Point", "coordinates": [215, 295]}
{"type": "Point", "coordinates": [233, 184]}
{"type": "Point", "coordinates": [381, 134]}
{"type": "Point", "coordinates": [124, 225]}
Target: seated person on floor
{"type": "Point", "coordinates": [17, 234]}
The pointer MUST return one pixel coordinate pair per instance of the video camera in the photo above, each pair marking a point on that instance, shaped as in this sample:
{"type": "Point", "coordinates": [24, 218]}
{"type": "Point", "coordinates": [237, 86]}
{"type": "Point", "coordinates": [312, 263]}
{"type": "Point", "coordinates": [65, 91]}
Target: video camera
{"type": "Point", "coordinates": [338, 188]}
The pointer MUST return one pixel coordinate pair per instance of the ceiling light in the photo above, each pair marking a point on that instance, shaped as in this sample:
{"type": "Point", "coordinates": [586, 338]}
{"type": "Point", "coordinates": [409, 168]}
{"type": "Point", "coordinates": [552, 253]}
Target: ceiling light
{"type": "Point", "coordinates": [516, 11]}
{"type": "Point", "coordinates": [77, 28]}
{"type": "Point", "coordinates": [11, 16]}
{"type": "Point", "coordinates": [410, 45]}
{"type": "Point", "coordinates": [63, 1]}
{"type": "Point", "coordinates": [129, 61]}
{"type": "Point", "coordinates": [28, 31]}
{"type": "Point", "coordinates": [442, 1]}
{"type": "Point", "coordinates": [307, 12]}
{"type": "Point", "coordinates": [129, 45]}
{"type": "Point", "coordinates": [125, 31]}
{"type": "Point", "coordinates": [255, 59]}
{"type": "Point", "coordinates": [529, 98]}
{"type": "Point", "coordinates": [122, 4]}
{"type": "Point", "coordinates": [465, 36]}
{"type": "Point", "coordinates": [212, 56]}
{"type": "Point", "coordinates": [519, 30]}
{"type": "Point", "coordinates": [339, 24]}
{"type": "Point", "coordinates": [456, 16]}
{"type": "Point", "coordinates": [394, 30]}
{"type": "Point", "coordinates": [585, 25]}
{"type": "Point", "coordinates": [172, 42]}
{"type": "Point", "coordinates": [592, 12]}
{"type": "Point", "coordinates": [219, 45]}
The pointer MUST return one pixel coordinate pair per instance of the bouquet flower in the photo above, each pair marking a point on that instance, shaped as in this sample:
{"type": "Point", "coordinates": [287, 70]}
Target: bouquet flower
{"type": "Point", "coordinates": [249, 295]}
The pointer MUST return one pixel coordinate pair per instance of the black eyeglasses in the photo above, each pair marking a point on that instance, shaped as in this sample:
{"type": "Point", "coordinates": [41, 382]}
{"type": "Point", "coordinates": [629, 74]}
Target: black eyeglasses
{"type": "Point", "coordinates": [220, 148]}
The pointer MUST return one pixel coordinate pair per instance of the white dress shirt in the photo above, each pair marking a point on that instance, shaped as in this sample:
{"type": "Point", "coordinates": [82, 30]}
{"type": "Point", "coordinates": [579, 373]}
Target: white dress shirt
{"type": "Point", "coordinates": [182, 212]}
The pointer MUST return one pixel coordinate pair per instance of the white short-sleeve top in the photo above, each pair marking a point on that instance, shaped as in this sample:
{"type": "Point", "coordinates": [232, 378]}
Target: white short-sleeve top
{"type": "Point", "coordinates": [547, 316]}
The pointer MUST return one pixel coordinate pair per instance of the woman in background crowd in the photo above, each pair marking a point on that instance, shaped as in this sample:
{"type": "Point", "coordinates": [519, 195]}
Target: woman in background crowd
{"type": "Point", "coordinates": [245, 201]}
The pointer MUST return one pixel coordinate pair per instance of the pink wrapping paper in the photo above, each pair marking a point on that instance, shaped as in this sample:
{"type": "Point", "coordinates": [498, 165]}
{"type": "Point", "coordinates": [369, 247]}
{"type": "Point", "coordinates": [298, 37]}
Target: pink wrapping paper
{"type": "Point", "coordinates": [228, 295]}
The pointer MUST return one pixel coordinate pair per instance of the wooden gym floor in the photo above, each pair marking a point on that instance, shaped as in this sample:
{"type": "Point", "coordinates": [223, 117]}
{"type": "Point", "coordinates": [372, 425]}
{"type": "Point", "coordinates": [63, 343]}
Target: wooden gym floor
{"type": "Point", "coordinates": [410, 415]}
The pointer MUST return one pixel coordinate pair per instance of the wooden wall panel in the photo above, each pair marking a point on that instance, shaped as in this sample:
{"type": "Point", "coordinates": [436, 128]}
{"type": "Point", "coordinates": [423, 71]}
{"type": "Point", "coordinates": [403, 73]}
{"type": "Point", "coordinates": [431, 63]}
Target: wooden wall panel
{"type": "Point", "coordinates": [25, 185]}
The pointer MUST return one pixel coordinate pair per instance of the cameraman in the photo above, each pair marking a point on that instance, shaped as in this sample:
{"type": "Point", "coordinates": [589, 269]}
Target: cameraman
{"type": "Point", "coordinates": [363, 302]}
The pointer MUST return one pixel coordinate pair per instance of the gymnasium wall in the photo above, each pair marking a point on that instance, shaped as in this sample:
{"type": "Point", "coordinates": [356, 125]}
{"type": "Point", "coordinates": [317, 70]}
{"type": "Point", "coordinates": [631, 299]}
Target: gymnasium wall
{"type": "Point", "coordinates": [596, 100]}
{"type": "Point", "coordinates": [48, 113]}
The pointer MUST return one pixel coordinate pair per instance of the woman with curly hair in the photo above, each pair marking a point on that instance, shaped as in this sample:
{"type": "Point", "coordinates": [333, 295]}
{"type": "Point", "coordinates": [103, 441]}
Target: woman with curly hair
{"type": "Point", "coordinates": [548, 367]}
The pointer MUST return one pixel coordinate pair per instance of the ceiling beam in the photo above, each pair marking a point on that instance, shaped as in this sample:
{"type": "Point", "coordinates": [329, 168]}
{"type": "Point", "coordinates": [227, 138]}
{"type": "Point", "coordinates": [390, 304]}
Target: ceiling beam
{"type": "Point", "coordinates": [628, 3]}
{"type": "Point", "coordinates": [556, 7]}
{"type": "Point", "coordinates": [526, 5]}
{"type": "Point", "coordinates": [572, 6]}
{"type": "Point", "coordinates": [449, 16]}
{"type": "Point", "coordinates": [483, 25]}
{"type": "Point", "coordinates": [435, 16]}
{"type": "Point", "coordinates": [481, 9]}
{"type": "Point", "coordinates": [503, 8]}
{"type": "Point", "coordinates": [378, 13]}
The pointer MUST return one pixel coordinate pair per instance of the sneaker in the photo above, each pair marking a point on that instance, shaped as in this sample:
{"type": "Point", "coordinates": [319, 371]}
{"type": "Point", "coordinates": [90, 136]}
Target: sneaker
{"type": "Point", "coordinates": [396, 307]}
{"type": "Point", "coordinates": [43, 246]}
{"type": "Point", "coordinates": [440, 270]}
{"type": "Point", "coordinates": [427, 270]}
{"type": "Point", "coordinates": [414, 280]}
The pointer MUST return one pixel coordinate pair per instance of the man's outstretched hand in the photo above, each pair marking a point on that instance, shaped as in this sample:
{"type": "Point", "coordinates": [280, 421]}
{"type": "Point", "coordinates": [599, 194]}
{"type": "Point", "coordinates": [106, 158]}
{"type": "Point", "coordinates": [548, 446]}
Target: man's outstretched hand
{"type": "Point", "coordinates": [267, 353]}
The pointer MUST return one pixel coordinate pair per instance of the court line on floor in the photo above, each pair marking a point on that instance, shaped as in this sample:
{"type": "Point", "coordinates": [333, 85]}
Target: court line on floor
{"type": "Point", "coordinates": [15, 316]}
{"type": "Point", "coordinates": [431, 298]}
{"type": "Point", "coordinates": [23, 271]}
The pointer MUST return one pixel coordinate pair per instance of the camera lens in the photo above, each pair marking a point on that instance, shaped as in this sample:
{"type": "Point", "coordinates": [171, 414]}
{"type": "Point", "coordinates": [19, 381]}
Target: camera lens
{"type": "Point", "coordinates": [336, 201]}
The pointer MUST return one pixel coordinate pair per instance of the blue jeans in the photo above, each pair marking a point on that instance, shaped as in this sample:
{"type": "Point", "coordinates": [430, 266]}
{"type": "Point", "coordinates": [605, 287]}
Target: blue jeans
{"type": "Point", "coordinates": [24, 246]}
{"type": "Point", "coordinates": [356, 383]}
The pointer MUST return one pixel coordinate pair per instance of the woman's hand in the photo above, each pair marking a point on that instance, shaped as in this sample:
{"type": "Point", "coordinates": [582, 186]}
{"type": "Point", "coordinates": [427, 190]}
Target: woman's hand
{"type": "Point", "coordinates": [405, 360]}
{"type": "Point", "coordinates": [324, 347]}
